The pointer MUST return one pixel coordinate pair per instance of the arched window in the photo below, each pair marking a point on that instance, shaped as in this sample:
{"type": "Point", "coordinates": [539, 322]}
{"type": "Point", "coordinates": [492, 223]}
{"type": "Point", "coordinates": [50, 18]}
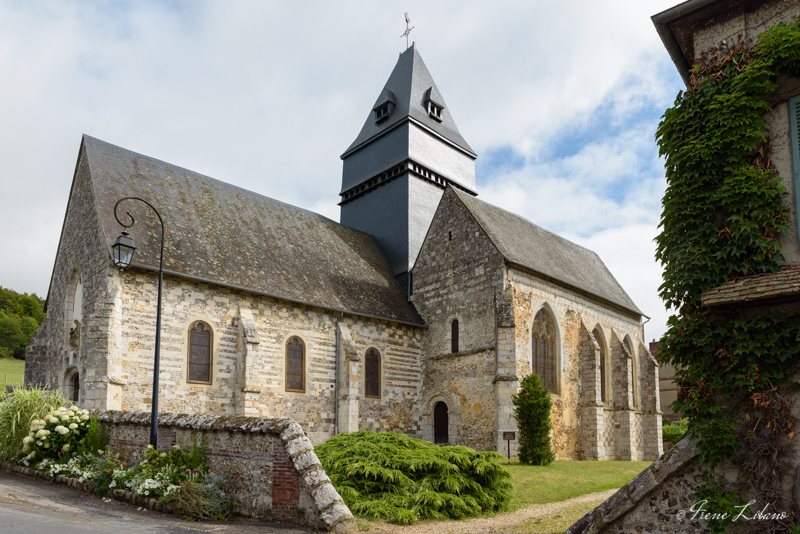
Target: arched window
{"type": "Point", "coordinates": [454, 336]}
{"type": "Point", "coordinates": [295, 365]}
{"type": "Point", "coordinates": [441, 431]}
{"type": "Point", "coordinates": [543, 343]}
{"type": "Point", "coordinates": [634, 371]}
{"type": "Point", "coordinates": [603, 353]}
{"type": "Point", "coordinates": [72, 385]}
{"type": "Point", "coordinates": [372, 374]}
{"type": "Point", "coordinates": [199, 353]}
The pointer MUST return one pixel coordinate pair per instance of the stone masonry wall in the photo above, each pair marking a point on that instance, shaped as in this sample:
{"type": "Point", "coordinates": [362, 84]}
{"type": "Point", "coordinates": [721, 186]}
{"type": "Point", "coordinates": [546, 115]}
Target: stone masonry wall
{"type": "Point", "coordinates": [573, 312]}
{"type": "Point", "coordinates": [249, 336]}
{"type": "Point", "coordinates": [82, 256]}
{"type": "Point", "coordinates": [269, 465]}
{"type": "Point", "coordinates": [457, 274]}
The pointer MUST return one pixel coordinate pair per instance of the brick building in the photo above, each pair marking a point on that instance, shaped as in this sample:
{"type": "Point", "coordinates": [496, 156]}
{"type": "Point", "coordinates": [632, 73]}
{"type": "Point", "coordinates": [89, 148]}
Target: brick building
{"type": "Point", "coordinates": [419, 313]}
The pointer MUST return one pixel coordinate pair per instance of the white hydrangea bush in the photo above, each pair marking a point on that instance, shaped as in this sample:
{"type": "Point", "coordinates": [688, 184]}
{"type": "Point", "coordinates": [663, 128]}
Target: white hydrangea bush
{"type": "Point", "coordinates": [56, 434]}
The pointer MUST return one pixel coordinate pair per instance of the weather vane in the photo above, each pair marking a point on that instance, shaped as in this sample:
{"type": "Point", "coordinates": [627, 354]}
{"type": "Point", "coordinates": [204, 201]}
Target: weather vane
{"type": "Point", "coordinates": [408, 30]}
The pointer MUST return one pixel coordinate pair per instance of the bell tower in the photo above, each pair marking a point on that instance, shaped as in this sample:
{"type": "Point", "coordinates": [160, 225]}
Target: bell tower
{"type": "Point", "coordinates": [395, 172]}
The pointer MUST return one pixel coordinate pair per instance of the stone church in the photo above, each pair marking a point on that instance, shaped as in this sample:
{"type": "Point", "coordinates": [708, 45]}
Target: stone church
{"type": "Point", "coordinates": [419, 313]}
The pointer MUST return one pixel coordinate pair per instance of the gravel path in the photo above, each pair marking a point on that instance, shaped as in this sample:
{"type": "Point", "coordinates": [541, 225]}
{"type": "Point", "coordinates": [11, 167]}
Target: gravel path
{"type": "Point", "coordinates": [491, 525]}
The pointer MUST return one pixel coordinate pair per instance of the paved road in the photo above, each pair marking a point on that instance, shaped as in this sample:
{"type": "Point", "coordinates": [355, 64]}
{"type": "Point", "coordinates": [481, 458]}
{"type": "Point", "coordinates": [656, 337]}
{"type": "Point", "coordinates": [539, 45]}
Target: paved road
{"type": "Point", "coordinates": [35, 506]}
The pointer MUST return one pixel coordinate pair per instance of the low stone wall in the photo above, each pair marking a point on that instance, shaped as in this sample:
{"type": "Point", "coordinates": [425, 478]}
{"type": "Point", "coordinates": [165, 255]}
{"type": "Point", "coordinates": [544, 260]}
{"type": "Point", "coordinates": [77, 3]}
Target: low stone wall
{"type": "Point", "coordinates": [659, 499]}
{"type": "Point", "coordinates": [269, 465]}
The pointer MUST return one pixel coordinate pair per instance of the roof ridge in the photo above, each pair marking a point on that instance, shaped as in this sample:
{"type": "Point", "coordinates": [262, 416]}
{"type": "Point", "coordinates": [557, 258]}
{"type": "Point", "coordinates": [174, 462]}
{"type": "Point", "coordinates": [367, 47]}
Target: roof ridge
{"type": "Point", "coordinates": [217, 180]}
{"type": "Point", "coordinates": [528, 221]}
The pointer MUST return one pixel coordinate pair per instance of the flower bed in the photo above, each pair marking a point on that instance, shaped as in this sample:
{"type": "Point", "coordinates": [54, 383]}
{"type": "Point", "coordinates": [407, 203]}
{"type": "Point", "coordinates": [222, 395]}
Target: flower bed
{"type": "Point", "coordinates": [66, 442]}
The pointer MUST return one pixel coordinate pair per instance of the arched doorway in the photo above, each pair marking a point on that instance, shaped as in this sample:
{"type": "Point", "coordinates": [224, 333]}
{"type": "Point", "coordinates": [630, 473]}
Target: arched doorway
{"type": "Point", "coordinates": [441, 432]}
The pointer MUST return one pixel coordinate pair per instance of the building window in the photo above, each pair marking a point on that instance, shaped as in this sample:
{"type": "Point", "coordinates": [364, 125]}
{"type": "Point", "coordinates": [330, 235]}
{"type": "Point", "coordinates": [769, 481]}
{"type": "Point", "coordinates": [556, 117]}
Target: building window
{"type": "Point", "coordinates": [435, 111]}
{"type": "Point", "coordinates": [441, 430]}
{"type": "Point", "coordinates": [634, 371]}
{"type": "Point", "coordinates": [72, 385]}
{"type": "Point", "coordinates": [199, 353]}
{"type": "Point", "coordinates": [295, 365]}
{"type": "Point", "coordinates": [382, 112]}
{"type": "Point", "coordinates": [603, 389]}
{"type": "Point", "coordinates": [543, 341]}
{"type": "Point", "coordinates": [372, 374]}
{"type": "Point", "coordinates": [454, 336]}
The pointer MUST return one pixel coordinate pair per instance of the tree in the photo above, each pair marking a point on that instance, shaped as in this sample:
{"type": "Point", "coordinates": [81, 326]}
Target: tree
{"type": "Point", "coordinates": [532, 411]}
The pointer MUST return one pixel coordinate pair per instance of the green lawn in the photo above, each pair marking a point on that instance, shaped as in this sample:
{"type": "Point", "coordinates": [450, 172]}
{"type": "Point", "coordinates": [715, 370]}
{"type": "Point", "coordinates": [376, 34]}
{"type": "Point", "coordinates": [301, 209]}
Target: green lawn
{"type": "Point", "coordinates": [11, 371]}
{"type": "Point", "coordinates": [565, 479]}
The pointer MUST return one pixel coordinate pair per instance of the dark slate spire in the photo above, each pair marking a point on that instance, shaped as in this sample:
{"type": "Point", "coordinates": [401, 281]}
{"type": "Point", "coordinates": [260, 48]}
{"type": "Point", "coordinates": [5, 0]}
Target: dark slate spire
{"type": "Point", "coordinates": [412, 85]}
{"type": "Point", "coordinates": [408, 151]}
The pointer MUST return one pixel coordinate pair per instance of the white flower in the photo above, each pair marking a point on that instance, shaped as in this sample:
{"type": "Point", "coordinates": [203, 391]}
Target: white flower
{"type": "Point", "coordinates": [27, 440]}
{"type": "Point", "coordinates": [84, 417]}
{"type": "Point", "coordinates": [70, 413]}
{"type": "Point", "coordinates": [65, 448]}
{"type": "Point", "coordinates": [65, 418]}
{"type": "Point", "coordinates": [53, 420]}
{"type": "Point", "coordinates": [38, 443]}
{"type": "Point", "coordinates": [58, 428]}
{"type": "Point", "coordinates": [42, 433]}
{"type": "Point", "coordinates": [62, 409]}
{"type": "Point", "coordinates": [73, 426]}
{"type": "Point", "coordinates": [73, 408]}
{"type": "Point", "coordinates": [63, 430]}
{"type": "Point", "coordinates": [46, 445]}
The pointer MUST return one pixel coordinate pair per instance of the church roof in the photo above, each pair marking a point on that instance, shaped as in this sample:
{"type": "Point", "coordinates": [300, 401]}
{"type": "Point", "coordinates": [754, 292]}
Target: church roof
{"type": "Point", "coordinates": [410, 85]}
{"type": "Point", "coordinates": [222, 234]}
{"type": "Point", "coordinates": [523, 243]}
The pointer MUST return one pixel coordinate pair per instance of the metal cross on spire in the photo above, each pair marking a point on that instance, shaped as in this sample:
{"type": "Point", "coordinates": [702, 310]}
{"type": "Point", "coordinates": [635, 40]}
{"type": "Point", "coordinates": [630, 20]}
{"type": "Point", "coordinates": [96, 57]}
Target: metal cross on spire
{"type": "Point", "coordinates": [408, 30]}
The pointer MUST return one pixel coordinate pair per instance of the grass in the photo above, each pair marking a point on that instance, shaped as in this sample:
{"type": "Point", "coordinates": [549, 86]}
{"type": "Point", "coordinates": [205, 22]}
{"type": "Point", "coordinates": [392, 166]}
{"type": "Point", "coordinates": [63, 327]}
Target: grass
{"type": "Point", "coordinates": [564, 479]}
{"type": "Point", "coordinates": [559, 521]}
{"type": "Point", "coordinates": [13, 370]}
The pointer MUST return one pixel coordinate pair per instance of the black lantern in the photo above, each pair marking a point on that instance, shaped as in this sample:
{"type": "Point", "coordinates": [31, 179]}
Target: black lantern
{"type": "Point", "coordinates": [123, 250]}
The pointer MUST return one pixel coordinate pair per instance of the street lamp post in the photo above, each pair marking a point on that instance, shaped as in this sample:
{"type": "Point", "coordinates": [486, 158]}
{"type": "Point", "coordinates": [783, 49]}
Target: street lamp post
{"type": "Point", "coordinates": [123, 253]}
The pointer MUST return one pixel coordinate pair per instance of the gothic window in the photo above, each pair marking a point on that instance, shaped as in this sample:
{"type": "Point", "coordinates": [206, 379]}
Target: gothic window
{"type": "Point", "coordinates": [372, 374]}
{"type": "Point", "coordinates": [634, 371]}
{"type": "Point", "coordinates": [199, 353]}
{"type": "Point", "coordinates": [543, 342]}
{"type": "Point", "coordinates": [295, 365]}
{"type": "Point", "coordinates": [441, 432]}
{"type": "Point", "coordinates": [603, 353]}
{"type": "Point", "coordinates": [454, 336]}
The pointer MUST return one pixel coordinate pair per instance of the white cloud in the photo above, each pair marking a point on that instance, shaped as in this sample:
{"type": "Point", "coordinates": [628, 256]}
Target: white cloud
{"type": "Point", "coordinates": [267, 95]}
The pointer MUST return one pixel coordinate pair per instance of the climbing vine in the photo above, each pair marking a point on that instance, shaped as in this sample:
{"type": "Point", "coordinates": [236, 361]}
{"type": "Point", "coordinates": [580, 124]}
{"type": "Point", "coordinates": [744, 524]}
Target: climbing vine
{"type": "Point", "coordinates": [723, 216]}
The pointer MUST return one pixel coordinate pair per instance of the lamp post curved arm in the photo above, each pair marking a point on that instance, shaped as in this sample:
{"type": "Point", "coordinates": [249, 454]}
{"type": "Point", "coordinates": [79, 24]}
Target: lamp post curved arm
{"type": "Point", "coordinates": [156, 362]}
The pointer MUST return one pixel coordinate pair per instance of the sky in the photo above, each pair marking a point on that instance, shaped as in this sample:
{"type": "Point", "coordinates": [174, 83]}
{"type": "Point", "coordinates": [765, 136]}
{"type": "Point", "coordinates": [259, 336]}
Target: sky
{"type": "Point", "coordinates": [560, 100]}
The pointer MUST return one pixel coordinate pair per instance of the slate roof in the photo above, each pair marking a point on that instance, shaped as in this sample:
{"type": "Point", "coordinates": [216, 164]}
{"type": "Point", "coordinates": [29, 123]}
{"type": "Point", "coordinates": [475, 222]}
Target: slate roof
{"type": "Point", "coordinates": [409, 84]}
{"type": "Point", "coordinates": [784, 283]}
{"type": "Point", "coordinates": [223, 234]}
{"type": "Point", "coordinates": [523, 243]}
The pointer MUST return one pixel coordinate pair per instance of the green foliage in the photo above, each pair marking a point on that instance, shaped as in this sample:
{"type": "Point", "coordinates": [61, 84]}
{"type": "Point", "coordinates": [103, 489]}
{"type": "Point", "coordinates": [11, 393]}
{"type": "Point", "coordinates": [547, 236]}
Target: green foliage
{"type": "Point", "coordinates": [20, 316]}
{"type": "Point", "coordinates": [674, 432]}
{"type": "Point", "coordinates": [532, 411]}
{"type": "Point", "coordinates": [723, 217]}
{"type": "Point", "coordinates": [390, 477]}
{"type": "Point", "coordinates": [203, 500]}
{"type": "Point", "coordinates": [95, 439]}
{"type": "Point", "coordinates": [17, 411]}
{"type": "Point", "coordinates": [59, 433]}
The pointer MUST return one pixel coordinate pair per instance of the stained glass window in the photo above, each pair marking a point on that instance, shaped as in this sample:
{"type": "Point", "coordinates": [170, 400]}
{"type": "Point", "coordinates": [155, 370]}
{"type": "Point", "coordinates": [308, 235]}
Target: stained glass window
{"type": "Point", "coordinates": [543, 358]}
{"type": "Point", "coordinates": [295, 365]}
{"type": "Point", "coordinates": [200, 353]}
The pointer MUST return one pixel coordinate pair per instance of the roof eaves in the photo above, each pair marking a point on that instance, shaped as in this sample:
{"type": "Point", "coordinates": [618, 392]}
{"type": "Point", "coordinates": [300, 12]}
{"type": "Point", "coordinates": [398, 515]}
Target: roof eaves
{"type": "Point", "coordinates": [662, 23]}
{"type": "Point", "coordinates": [571, 287]}
{"type": "Point", "coordinates": [145, 267]}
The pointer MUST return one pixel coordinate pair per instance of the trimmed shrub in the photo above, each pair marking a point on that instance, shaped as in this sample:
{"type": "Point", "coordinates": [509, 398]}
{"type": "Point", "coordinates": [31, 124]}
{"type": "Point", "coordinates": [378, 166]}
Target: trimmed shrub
{"type": "Point", "coordinates": [674, 432]}
{"type": "Point", "coordinates": [390, 477]}
{"type": "Point", "coordinates": [532, 411]}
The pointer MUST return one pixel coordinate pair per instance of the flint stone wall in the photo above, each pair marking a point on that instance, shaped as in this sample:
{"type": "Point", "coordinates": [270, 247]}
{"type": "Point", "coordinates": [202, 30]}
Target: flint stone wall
{"type": "Point", "coordinates": [659, 499]}
{"type": "Point", "coordinates": [270, 468]}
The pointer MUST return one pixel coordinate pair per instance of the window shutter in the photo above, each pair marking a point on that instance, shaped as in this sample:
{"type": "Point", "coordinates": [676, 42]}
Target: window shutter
{"type": "Point", "coordinates": [794, 135]}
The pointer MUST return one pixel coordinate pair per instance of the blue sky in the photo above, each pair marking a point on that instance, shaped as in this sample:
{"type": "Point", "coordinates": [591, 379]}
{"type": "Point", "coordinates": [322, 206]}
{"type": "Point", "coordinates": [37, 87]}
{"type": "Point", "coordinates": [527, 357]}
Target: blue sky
{"type": "Point", "coordinates": [559, 100]}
